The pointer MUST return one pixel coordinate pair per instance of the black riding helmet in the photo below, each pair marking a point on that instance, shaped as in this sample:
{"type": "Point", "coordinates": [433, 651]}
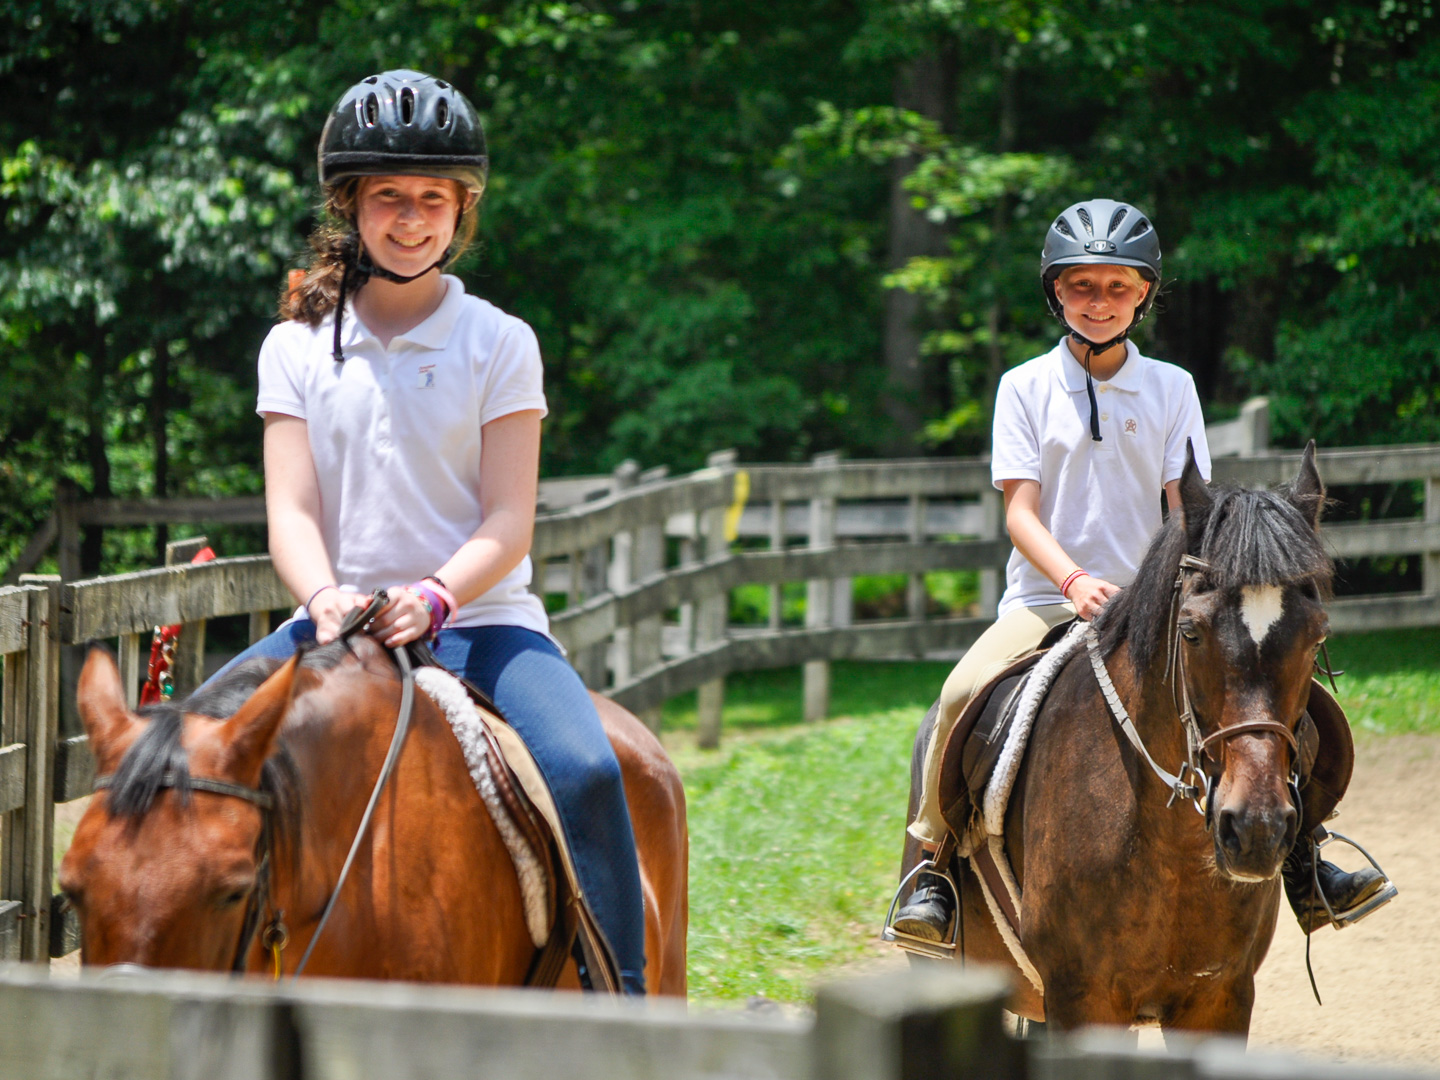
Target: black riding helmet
{"type": "Point", "coordinates": [400, 123]}
{"type": "Point", "coordinates": [1100, 232]}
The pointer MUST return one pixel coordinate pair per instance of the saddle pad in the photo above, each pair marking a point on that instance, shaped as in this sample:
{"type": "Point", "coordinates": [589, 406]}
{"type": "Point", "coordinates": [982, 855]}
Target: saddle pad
{"type": "Point", "coordinates": [480, 735]}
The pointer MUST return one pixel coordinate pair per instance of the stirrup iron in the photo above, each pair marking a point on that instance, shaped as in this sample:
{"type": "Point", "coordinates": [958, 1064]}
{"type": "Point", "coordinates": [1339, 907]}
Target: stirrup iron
{"type": "Point", "coordinates": [1387, 892]}
{"type": "Point", "coordinates": [935, 950]}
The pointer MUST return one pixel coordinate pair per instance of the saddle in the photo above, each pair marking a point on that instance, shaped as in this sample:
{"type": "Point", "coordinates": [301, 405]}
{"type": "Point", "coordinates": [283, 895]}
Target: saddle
{"type": "Point", "coordinates": [519, 800]}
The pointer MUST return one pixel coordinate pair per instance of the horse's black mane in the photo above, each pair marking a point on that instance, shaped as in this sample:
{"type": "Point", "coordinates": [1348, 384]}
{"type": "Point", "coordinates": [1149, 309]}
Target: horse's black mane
{"type": "Point", "coordinates": [158, 752]}
{"type": "Point", "coordinates": [1250, 538]}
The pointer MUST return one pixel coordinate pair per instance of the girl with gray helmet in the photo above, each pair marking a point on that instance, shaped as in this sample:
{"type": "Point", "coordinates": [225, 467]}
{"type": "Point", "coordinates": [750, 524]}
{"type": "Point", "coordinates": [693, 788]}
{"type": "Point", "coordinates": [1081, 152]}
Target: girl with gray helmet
{"type": "Point", "coordinates": [1086, 440]}
{"type": "Point", "coordinates": [402, 446]}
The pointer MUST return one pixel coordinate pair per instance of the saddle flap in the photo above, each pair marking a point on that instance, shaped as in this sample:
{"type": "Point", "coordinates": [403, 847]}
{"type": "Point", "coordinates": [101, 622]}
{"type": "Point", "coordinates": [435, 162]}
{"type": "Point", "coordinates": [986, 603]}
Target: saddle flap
{"type": "Point", "coordinates": [958, 761]}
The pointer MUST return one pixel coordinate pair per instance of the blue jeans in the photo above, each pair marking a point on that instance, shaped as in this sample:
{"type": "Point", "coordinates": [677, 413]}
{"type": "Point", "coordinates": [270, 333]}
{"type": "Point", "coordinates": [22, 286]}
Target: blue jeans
{"type": "Point", "coordinates": [543, 698]}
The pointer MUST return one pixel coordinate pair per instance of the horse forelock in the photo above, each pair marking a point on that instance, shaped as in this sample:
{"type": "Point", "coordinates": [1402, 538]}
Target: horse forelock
{"type": "Point", "coordinates": [1251, 538]}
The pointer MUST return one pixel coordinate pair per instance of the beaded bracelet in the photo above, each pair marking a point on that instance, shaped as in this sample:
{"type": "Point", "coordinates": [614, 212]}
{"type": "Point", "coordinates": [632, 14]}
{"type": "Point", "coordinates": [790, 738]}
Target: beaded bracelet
{"type": "Point", "coordinates": [1065, 585]}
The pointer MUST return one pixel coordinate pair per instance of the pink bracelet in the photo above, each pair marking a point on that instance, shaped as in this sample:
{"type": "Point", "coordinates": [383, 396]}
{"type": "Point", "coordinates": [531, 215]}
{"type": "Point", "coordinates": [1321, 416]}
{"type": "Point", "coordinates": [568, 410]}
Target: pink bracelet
{"type": "Point", "coordinates": [1065, 585]}
{"type": "Point", "coordinates": [435, 606]}
{"type": "Point", "coordinates": [314, 594]}
{"type": "Point", "coordinates": [443, 591]}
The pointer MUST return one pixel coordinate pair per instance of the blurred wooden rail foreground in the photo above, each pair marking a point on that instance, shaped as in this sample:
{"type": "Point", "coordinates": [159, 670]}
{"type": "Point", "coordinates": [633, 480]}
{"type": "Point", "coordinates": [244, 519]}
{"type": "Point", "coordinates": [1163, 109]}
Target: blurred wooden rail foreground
{"type": "Point", "coordinates": [925, 1024]}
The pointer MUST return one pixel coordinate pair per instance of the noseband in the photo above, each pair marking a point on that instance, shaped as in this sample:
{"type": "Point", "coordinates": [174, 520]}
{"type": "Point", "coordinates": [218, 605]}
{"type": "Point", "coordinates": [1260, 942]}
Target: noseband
{"type": "Point", "coordinates": [1193, 783]}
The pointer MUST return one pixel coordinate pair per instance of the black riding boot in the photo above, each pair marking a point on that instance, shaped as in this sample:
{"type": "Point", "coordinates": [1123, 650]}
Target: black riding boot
{"type": "Point", "coordinates": [928, 911]}
{"type": "Point", "coordinates": [1307, 877]}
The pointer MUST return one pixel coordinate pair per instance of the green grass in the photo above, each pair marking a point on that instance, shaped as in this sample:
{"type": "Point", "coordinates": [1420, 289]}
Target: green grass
{"type": "Point", "coordinates": [796, 829]}
{"type": "Point", "coordinates": [1391, 683]}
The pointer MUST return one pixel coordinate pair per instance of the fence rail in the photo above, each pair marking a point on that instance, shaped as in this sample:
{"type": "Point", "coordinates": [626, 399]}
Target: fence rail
{"type": "Point", "coordinates": [641, 568]}
{"type": "Point", "coordinates": [920, 1024]}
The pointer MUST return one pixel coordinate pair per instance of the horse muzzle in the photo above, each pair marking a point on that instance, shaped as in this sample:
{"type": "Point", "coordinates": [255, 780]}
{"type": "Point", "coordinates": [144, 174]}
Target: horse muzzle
{"type": "Point", "coordinates": [1251, 841]}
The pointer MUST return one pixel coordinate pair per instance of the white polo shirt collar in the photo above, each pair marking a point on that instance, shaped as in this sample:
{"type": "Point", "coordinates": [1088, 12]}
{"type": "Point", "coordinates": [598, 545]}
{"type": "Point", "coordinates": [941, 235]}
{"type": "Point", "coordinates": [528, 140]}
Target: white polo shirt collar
{"type": "Point", "coordinates": [433, 333]}
{"type": "Point", "coordinates": [1070, 372]}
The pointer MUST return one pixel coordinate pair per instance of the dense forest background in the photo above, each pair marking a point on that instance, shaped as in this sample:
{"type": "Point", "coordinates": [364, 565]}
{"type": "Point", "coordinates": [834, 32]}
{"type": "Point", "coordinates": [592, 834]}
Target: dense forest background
{"type": "Point", "coordinates": [784, 227]}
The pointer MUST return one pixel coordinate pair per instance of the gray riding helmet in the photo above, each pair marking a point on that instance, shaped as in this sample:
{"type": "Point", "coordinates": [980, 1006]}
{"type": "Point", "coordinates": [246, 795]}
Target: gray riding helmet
{"type": "Point", "coordinates": [1100, 232]}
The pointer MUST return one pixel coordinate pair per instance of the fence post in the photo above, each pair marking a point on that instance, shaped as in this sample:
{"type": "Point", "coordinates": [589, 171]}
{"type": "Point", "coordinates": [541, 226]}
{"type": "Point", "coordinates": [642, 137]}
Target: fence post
{"type": "Point", "coordinates": [777, 543]}
{"type": "Point", "coordinates": [922, 1022]}
{"type": "Point", "coordinates": [14, 717]}
{"type": "Point", "coordinates": [820, 596]}
{"type": "Point", "coordinates": [1255, 426]}
{"type": "Point", "coordinates": [712, 615]}
{"type": "Point", "coordinates": [594, 569]}
{"type": "Point", "coordinates": [188, 667]}
{"type": "Point", "coordinates": [915, 588]}
{"type": "Point", "coordinates": [620, 578]}
{"type": "Point", "coordinates": [1430, 567]}
{"type": "Point", "coordinates": [67, 517]}
{"type": "Point", "coordinates": [646, 645]}
{"type": "Point", "coordinates": [29, 864]}
{"type": "Point", "coordinates": [993, 506]}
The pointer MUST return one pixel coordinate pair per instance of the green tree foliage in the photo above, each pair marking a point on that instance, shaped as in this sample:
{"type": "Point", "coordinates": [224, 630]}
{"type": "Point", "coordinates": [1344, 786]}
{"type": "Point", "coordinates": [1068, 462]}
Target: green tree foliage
{"type": "Point", "coordinates": [690, 203]}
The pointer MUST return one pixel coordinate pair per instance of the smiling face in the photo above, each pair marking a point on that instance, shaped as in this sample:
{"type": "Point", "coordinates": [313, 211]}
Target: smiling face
{"type": "Point", "coordinates": [1100, 301]}
{"type": "Point", "coordinates": [407, 222]}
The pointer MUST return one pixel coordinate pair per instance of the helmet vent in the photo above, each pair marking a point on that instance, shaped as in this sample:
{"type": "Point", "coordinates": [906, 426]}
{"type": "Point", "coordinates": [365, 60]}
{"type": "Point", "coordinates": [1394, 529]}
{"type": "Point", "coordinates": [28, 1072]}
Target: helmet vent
{"type": "Point", "coordinates": [407, 106]}
{"type": "Point", "coordinates": [1084, 216]}
{"type": "Point", "coordinates": [1141, 228]}
{"type": "Point", "coordinates": [442, 84]}
{"type": "Point", "coordinates": [1115, 220]}
{"type": "Point", "coordinates": [371, 79]}
{"type": "Point", "coordinates": [1063, 228]}
{"type": "Point", "coordinates": [372, 110]}
{"type": "Point", "coordinates": [442, 113]}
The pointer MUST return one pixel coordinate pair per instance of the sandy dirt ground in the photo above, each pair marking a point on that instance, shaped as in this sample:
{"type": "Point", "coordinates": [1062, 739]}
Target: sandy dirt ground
{"type": "Point", "coordinates": [1380, 979]}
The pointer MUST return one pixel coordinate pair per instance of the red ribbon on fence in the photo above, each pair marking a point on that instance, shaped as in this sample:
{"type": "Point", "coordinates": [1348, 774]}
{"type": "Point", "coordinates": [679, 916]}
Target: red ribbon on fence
{"type": "Point", "coordinates": [159, 684]}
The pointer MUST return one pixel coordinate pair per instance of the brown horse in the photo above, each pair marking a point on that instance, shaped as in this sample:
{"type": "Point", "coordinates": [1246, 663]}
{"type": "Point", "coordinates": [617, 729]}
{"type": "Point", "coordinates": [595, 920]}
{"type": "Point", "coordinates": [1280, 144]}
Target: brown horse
{"type": "Point", "coordinates": [162, 877]}
{"type": "Point", "coordinates": [1135, 908]}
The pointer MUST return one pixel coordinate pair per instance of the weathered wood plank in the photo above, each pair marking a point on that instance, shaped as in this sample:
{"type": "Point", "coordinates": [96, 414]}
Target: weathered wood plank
{"type": "Point", "coordinates": [1354, 541]}
{"type": "Point", "coordinates": [1356, 614]}
{"type": "Point", "coordinates": [136, 603]}
{"type": "Point", "coordinates": [15, 618]}
{"type": "Point", "coordinates": [1357, 465]}
{"type": "Point", "coordinates": [931, 477]}
{"type": "Point", "coordinates": [74, 769]}
{"type": "Point", "coordinates": [871, 520]}
{"type": "Point", "coordinates": [12, 777]}
{"type": "Point", "coordinates": [237, 510]}
{"type": "Point", "coordinates": [583, 527]}
{"type": "Point", "coordinates": [10, 911]}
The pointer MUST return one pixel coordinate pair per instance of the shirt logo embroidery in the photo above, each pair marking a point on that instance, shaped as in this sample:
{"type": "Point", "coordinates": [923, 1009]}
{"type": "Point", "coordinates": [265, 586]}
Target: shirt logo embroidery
{"type": "Point", "coordinates": [1131, 428]}
{"type": "Point", "coordinates": [427, 377]}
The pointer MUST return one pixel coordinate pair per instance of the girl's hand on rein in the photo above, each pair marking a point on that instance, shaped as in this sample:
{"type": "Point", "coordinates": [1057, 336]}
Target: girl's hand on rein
{"type": "Point", "coordinates": [402, 620]}
{"type": "Point", "coordinates": [1090, 594]}
{"type": "Point", "coordinates": [328, 610]}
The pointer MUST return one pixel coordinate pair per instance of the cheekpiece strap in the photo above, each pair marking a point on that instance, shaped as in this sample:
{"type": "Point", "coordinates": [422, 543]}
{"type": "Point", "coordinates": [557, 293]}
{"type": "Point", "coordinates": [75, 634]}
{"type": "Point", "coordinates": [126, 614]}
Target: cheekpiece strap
{"type": "Point", "coordinates": [262, 799]}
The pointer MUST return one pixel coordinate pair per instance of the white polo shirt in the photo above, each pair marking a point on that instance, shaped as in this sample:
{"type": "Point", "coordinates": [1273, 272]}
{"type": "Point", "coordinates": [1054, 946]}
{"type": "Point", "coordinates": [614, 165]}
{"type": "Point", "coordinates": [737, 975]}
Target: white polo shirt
{"type": "Point", "coordinates": [1101, 501]}
{"type": "Point", "coordinates": [396, 437]}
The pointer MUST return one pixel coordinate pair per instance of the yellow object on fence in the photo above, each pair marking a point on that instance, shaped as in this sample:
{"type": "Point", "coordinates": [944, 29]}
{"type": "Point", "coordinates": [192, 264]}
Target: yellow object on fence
{"type": "Point", "coordinates": [737, 506]}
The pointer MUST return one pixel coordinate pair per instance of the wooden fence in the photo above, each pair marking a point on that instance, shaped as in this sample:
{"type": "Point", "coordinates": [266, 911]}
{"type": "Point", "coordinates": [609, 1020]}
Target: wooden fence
{"type": "Point", "coordinates": [644, 574]}
{"type": "Point", "coordinates": [930, 1023]}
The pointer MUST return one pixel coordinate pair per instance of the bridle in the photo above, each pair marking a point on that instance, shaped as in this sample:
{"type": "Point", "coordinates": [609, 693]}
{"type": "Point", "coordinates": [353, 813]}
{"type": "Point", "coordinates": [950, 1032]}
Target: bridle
{"type": "Point", "coordinates": [1193, 783]}
{"type": "Point", "coordinates": [276, 934]}
{"type": "Point", "coordinates": [275, 931]}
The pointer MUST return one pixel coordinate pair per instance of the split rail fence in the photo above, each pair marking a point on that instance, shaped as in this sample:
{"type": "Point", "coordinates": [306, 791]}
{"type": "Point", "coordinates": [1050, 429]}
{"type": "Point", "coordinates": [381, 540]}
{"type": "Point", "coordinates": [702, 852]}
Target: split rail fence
{"type": "Point", "coordinates": [644, 571]}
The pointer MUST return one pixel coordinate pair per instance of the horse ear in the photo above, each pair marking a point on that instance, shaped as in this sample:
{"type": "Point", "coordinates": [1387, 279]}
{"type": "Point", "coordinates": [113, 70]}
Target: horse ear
{"type": "Point", "coordinates": [1195, 501]}
{"type": "Point", "coordinates": [1307, 492]}
{"type": "Point", "coordinates": [249, 736]}
{"type": "Point", "coordinates": [100, 700]}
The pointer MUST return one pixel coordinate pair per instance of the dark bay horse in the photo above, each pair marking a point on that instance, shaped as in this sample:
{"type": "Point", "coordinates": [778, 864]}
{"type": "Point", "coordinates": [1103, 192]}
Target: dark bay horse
{"type": "Point", "coordinates": [163, 879]}
{"type": "Point", "coordinates": [1135, 909]}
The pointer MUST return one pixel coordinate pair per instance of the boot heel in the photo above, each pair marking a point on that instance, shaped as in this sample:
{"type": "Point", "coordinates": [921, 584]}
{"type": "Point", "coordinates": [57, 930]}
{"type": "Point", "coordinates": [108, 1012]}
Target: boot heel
{"type": "Point", "coordinates": [935, 950]}
{"type": "Point", "coordinates": [1372, 903]}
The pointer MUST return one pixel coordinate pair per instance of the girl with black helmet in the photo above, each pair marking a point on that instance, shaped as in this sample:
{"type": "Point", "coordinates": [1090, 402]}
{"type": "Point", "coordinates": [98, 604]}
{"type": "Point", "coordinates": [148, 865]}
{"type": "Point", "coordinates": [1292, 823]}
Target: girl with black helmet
{"type": "Point", "coordinates": [402, 442]}
{"type": "Point", "coordinates": [1086, 439]}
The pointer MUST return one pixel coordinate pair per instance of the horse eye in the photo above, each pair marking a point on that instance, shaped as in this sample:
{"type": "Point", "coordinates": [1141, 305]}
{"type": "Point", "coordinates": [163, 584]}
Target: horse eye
{"type": "Point", "coordinates": [1188, 633]}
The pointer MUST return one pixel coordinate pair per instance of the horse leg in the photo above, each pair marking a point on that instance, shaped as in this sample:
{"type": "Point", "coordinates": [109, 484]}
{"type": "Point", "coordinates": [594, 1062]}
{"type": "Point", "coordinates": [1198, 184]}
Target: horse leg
{"type": "Point", "coordinates": [1225, 1010]}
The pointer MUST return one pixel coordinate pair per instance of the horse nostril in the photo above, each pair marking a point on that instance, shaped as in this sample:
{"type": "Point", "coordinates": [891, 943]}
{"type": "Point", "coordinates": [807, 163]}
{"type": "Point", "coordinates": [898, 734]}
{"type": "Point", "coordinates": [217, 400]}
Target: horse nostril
{"type": "Point", "coordinates": [1234, 840]}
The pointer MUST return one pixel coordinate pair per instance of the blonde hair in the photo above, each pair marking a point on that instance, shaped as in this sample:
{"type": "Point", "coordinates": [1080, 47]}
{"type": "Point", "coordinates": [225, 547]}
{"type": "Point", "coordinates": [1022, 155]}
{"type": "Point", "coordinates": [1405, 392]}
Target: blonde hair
{"type": "Point", "coordinates": [335, 243]}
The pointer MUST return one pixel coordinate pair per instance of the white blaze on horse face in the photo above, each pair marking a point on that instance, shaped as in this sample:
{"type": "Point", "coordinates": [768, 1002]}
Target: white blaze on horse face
{"type": "Point", "coordinates": [1260, 608]}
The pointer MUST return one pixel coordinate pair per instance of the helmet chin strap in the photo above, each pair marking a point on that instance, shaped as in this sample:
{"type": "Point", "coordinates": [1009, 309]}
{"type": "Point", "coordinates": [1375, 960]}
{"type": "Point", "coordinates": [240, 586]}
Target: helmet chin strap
{"type": "Point", "coordinates": [363, 268]}
{"type": "Point", "coordinates": [1091, 348]}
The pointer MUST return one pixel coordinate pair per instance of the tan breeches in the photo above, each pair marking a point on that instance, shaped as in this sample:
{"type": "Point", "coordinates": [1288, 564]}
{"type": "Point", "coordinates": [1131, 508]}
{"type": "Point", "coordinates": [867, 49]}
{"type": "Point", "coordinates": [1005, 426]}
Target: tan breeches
{"type": "Point", "coordinates": [1008, 639]}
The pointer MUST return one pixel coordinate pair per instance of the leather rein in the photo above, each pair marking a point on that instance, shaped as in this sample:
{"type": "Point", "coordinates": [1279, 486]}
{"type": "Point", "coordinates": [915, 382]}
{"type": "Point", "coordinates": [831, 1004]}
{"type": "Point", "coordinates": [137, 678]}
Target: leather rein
{"type": "Point", "coordinates": [1192, 783]}
{"type": "Point", "coordinates": [276, 934]}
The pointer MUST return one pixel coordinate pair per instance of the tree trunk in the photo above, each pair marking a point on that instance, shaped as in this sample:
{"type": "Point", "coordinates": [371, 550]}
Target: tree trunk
{"type": "Point", "coordinates": [159, 417]}
{"type": "Point", "coordinates": [925, 85]}
{"type": "Point", "coordinates": [92, 546]}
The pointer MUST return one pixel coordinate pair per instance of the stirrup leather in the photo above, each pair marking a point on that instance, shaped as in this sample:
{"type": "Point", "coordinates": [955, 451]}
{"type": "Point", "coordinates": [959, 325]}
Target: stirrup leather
{"type": "Point", "coordinates": [936, 950]}
{"type": "Point", "coordinates": [1341, 919]}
